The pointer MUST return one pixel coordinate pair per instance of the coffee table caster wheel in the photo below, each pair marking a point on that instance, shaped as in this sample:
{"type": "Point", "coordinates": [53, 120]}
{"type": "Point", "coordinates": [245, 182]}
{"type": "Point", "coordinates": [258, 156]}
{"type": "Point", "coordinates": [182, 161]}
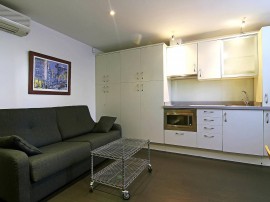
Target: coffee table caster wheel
{"type": "Point", "coordinates": [149, 168]}
{"type": "Point", "coordinates": [91, 188]}
{"type": "Point", "coordinates": [126, 195]}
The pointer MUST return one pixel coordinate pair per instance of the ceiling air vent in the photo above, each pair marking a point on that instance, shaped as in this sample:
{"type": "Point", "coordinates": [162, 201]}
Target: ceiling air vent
{"type": "Point", "coordinates": [13, 22]}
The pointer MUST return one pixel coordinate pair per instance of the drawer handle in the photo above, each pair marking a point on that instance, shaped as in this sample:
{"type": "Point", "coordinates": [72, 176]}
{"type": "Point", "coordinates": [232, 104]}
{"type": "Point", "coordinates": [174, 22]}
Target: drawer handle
{"type": "Point", "coordinates": [210, 112]}
{"type": "Point", "coordinates": [207, 136]}
{"type": "Point", "coordinates": [208, 120]}
{"type": "Point", "coordinates": [179, 133]}
{"type": "Point", "coordinates": [208, 128]}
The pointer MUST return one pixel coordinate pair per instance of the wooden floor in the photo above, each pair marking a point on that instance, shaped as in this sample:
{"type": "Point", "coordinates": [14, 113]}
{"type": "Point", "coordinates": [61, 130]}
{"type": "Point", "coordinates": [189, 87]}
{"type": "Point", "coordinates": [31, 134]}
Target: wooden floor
{"type": "Point", "coordinates": [181, 178]}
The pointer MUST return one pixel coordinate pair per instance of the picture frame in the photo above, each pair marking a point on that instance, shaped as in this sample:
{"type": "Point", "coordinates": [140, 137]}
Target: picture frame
{"type": "Point", "coordinates": [48, 75]}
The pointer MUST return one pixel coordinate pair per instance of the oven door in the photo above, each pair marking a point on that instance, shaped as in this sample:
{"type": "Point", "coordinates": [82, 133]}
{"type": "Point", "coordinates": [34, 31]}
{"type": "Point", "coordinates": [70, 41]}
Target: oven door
{"type": "Point", "coordinates": [180, 119]}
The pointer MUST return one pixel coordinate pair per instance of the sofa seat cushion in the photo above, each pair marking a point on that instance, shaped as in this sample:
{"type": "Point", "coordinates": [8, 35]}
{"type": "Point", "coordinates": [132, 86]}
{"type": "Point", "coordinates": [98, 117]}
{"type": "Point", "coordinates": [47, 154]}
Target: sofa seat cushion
{"type": "Point", "coordinates": [57, 157]}
{"type": "Point", "coordinates": [97, 139]}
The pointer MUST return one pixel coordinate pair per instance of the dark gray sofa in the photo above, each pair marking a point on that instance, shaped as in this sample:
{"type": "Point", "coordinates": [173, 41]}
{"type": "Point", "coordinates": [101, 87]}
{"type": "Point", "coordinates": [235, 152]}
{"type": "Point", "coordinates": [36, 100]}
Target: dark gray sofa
{"type": "Point", "coordinates": [64, 136]}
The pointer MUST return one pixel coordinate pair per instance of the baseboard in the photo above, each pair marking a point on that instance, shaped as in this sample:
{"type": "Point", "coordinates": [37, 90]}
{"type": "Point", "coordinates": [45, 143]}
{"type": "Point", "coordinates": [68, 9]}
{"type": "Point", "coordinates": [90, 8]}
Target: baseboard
{"type": "Point", "coordinates": [249, 159]}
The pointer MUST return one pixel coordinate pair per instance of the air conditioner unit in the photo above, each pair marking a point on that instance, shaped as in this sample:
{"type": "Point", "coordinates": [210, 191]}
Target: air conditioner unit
{"type": "Point", "coordinates": [13, 22]}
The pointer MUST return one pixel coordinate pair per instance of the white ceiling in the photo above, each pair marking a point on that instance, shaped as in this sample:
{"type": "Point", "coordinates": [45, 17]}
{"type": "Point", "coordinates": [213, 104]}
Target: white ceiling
{"type": "Point", "coordinates": [142, 22]}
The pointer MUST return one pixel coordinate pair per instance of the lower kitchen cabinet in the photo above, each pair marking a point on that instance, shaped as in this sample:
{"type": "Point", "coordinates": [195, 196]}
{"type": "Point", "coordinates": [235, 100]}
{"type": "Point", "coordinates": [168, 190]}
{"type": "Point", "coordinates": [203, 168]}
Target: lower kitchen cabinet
{"type": "Point", "coordinates": [180, 138]}
{"type": "Point", "coordinates": [209, 130]}
{"type": "Point", "coordinates": [243, 131]}
{"type": "Point", "coordinates": [266, 131]}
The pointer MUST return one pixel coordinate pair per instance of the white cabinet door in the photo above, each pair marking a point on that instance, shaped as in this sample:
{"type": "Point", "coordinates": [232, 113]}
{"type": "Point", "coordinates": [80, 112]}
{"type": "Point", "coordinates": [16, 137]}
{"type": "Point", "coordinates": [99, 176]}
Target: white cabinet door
{"type": "Point", "coordinates": [113, 100]}
{"type": "Point", "coordinates": [190, 58]}
{"type": "Point", "coordinates": [240, 58]}
{"type": "Point", "coordinates": [101, 65]}
{"type": "Point", "coordinates": [130, 65]}
{"type": "Point", "coordinates": [243, 131]}
{"type": "Point", "coordinates": [209, 60]}
{"type": "Point", "coordinates": [101, 92]}
{"type": "Point", "coordinates": [264, 62]}
{"type": "Point", "coordinates": [130, 110]}
{"type": "Point", "coordinates": [174, 62]}
{"type": "Point", "coordinates": [152, 63]}
{"type": "Point", "coordinates": [180, 138]}
{"type": "Point", "coordinates": [152, 111]}
{"type": "Point", "coordinates": [113, 67]}
{"type": "Point", "coordinates": [266, 131]}
{"type": "Point", "coordinates": [181, 60]}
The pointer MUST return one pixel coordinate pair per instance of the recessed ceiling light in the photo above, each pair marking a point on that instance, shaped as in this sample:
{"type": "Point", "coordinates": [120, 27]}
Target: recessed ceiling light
{"type": "Point", "coordinates": [112, 12]}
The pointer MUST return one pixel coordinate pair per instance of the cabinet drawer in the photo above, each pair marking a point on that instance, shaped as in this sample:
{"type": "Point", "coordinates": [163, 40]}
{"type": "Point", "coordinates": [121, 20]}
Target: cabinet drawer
{"type": "Point", "coordinates": [210, 121]}
{"type": "Point", "coordinates": [181, 138]}
{"type": "Point", "coordinates": [209, 129]}
{"type": "Point", "coordinates": [202, 113]}
{"type": "Point", "coordinates": [209, 141]}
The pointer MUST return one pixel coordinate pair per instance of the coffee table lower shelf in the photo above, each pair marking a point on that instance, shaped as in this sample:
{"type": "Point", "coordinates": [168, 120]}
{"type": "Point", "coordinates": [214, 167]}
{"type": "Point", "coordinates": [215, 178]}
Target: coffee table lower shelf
{"type": "Point", "coordinates": [121, 173]}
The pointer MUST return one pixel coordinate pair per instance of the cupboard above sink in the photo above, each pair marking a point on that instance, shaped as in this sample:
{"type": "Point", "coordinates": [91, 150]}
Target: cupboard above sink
{"type": "Point", "coordinates": [231, 57]}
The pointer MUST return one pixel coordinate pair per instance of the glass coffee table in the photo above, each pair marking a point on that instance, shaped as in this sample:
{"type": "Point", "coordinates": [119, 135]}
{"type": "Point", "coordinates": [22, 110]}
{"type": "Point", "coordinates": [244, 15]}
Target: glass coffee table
{"type": "Point", "coordinates": [125, 168]}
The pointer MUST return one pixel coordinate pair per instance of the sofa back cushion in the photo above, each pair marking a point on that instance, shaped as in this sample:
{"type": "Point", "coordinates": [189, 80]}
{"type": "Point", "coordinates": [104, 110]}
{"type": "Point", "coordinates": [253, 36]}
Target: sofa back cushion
{"type": "Point", "coordinates": [38, 126]}
{"type": "Point", "coordinates": [74, 121]}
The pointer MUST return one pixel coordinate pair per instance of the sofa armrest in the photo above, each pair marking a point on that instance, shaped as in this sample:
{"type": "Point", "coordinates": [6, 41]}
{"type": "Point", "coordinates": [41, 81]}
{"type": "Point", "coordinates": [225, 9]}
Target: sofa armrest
{"type": "Point", "coordinates": [14, 176]}
{"type": "Point", "coordinates": [117, 127]}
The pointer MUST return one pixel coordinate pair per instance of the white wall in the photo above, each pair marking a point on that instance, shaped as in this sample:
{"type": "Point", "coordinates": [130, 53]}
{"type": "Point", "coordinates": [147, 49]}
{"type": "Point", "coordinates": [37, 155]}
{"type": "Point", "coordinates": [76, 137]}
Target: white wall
{"type": "Point", "coordinates": [14, 69]}
{"type": "Point", "coordinates": [212, 90]}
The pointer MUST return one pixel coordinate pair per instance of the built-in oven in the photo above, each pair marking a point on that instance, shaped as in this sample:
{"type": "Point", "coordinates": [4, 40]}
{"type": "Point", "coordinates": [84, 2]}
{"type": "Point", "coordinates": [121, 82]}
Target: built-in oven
{"type": "Point", "coordinates": [180, 119]}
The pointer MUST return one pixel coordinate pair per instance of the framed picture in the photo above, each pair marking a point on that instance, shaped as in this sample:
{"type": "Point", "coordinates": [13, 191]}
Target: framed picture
{"type": "Point", "coordinates": [48, 75]}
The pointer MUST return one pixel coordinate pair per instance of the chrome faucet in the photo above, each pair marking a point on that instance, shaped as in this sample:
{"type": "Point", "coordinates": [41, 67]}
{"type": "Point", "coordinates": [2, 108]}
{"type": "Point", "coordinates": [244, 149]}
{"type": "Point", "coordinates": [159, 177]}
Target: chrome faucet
{"type": "Point", "coordinates": [245, 99]}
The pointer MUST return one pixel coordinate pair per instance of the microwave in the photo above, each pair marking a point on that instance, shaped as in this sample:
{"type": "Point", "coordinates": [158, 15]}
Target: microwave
{"type": "Point", "coordinates": [180, 119]}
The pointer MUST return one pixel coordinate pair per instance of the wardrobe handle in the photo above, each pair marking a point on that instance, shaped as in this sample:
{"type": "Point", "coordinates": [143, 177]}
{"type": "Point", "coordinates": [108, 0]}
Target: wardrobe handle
{"type": "Point", "coordinates": [210, 120]}
{"type": "Point", "coordinates": [141, 87]}
{"type": "Point", "coordinates": [225, 117]}
{"type": "Point", "coordinates": [138, 87]}
{"type": "Point", "coordinates": [266, 98]}
{"type": "Point", "coordinates": [208, 128]}
{"type": "Point", "coordinates": [211, 136]}
{"type": "Point", "coordinates": [194, 67]}
{"type": "Point", "coordinates": [267, 118]}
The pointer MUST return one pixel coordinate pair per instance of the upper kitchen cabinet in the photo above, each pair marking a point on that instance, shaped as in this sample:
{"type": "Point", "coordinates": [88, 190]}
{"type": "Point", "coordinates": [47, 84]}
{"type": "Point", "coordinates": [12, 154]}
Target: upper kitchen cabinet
{"type": "Point", "coordinates": [263, 86]}
{"type": "Point", "coordinates": [240, 57]}
{"type": "Point", "coordinates": [142, 64]}
{"type": "Point", "coordinates": [209, 60]}
{"type": "Point", "coordinates": [181, 60]}
{"type": "Point", "coordinates": [108, 68]}
{"type": "Point", "coordinates": [152, 62]}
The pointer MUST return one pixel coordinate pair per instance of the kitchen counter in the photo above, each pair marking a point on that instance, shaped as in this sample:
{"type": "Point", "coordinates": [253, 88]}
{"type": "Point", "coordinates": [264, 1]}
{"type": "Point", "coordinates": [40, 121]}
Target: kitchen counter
{"type": "Point", "coordinates": [234, 105]}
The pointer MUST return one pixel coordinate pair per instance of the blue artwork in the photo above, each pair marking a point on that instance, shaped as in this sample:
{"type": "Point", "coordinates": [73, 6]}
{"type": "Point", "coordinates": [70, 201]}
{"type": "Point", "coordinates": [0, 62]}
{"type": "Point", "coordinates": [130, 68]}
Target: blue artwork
{"type": "Point", "coordinates": [50, 75]}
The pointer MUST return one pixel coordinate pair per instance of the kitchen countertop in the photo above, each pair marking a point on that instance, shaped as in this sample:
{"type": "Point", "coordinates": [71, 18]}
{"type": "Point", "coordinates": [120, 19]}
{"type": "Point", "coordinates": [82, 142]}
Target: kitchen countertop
{"type": "Point", "coordinates": [233, 105]}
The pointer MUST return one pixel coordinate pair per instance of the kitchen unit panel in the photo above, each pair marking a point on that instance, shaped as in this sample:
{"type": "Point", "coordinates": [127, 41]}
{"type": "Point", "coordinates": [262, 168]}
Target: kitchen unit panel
{"type": "Point", "coordinates": [266, 131]}
{"type": "Point", "coordinates": [209, 60]}
{"type": "Point", "coordinates": [240, 58]}
{"type": "Point", "coordinates": [131, 110]}
{"type": "Point", "coordinates": [131, 65]}
{"type": "Point", "coordinates": [180, 138]}
{"type": "Point", "coordinates": [243, 131]}
{"type": "Point", "coordinates": [108, 68]}
{"type": "Point", "coordinates": [152, 63]}
{"type": "Point", "coordinates": [108, 101]}
{"type": "Point", "coordinates": [209, 133]}
{"type": "Point", "coordinates": [264, 63]}
{"type": "Point", "coordinates": [209, 140]}
{"type": "Point", "coordinates": [152, 111]}
{"type": "Point", "coordinates": [182, 60]}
